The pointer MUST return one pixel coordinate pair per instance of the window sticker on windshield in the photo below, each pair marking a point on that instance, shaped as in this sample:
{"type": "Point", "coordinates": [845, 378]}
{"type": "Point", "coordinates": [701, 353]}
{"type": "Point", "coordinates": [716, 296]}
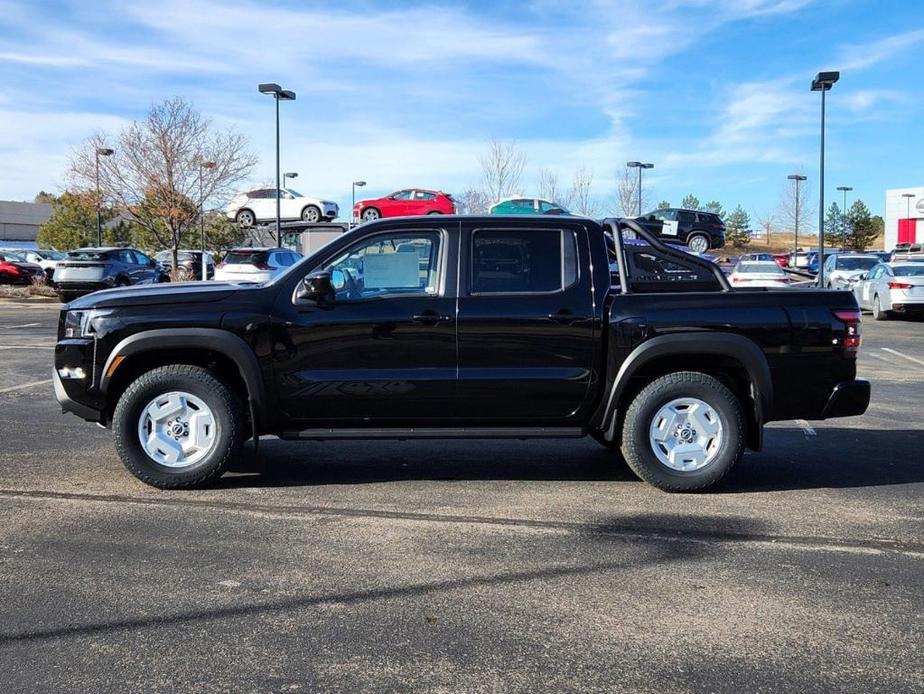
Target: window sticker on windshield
{"type": "Point", "coordinates": [670, 228]}
{"type": "Point", "coordinates": [391, 270]}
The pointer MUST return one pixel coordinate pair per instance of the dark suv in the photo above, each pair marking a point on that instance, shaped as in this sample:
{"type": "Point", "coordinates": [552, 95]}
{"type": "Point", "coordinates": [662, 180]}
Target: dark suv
{"type": "Point", "coordinates": [87, 270]}
{"type": "Point", "coordinates": [699, 231]}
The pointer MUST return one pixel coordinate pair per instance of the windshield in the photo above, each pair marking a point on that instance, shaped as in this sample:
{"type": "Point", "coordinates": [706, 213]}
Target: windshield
{"type": "Point", "coordinates": [768, 268]}
{"type": "Point", "coordinates": [856, 263]}
{"type": "Point", "coordinates": [11, 257]}
{"type": "Point", "coordinates": [909, 270]}
{"type": "Point", "coordinates": [294, 193]}
{"type": "Point", "coordinates": [87, 254]}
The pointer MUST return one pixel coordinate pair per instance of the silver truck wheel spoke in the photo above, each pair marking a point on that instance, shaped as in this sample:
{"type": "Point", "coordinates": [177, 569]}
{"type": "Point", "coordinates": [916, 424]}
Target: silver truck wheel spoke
{"type": "Point", "coordinates": [177, 429]}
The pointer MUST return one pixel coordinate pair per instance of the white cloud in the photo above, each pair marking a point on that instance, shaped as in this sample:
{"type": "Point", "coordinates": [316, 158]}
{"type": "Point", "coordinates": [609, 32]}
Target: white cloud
{"type": "Point", "coordinates": [863, 55]}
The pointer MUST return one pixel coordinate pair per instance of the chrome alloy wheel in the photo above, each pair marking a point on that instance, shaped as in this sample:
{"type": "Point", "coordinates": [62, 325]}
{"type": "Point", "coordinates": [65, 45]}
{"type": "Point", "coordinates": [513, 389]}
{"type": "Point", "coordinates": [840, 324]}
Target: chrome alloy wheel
{"type": "Point", "coordinates": [698, 244]}
{"type": "Point", "coordinates": [686, 434]}
{"type": "Point", "coordinates": [177, 429]}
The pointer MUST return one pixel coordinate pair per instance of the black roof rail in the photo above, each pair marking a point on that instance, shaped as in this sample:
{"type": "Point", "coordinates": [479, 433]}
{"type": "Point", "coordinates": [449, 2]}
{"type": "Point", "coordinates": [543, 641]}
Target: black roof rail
{"type": "Point", "coordinates": [616, 224]}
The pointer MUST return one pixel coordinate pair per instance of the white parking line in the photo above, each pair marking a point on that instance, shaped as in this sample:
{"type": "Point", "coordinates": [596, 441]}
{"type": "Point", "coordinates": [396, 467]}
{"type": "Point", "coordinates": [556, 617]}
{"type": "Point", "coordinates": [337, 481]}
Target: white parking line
{"type": "Point", "coordinates": [903, 356]}
{"type": "Point", "coordinates": [25, 385]}
{"type": "Point", "coordinates": [806, 428]}
{"type": "Point", "coordinates": [27, 346]}
{"type": "Point", "coordinates": [24, 325]}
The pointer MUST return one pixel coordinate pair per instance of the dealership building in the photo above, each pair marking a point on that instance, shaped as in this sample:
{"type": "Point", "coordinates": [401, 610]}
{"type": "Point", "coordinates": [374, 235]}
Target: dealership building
{"type": "Point", "coordinates": [904, 216]}
{"type": "Point", "coordinates": [20, 222]}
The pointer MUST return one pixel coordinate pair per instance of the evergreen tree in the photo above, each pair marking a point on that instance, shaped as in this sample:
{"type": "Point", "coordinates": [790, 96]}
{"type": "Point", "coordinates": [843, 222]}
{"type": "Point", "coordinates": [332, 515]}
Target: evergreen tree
{"type": "Point", "coordinates": [72, 223]}
{"type": "Point", "coordinates": [690, 202]}
{"type": "Point", "coordinates": [861, 228]}
{"type": "Point", "coordinates": [663, 205]}
{"type": "Point", "coordinates": [737, 226]}
{"type": "Point", "coordinates": [715, 207]}
{"type": "Point", "coordinates": [834, 226]}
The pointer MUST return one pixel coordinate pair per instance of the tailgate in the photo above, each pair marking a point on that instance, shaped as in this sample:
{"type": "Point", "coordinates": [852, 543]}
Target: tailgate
{"type": "Point", "coordinates": [80, 271]}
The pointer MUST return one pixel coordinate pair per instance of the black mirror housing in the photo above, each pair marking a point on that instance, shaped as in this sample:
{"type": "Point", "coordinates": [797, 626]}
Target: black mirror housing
{"type": "Point", "coordinates": [316, 289]}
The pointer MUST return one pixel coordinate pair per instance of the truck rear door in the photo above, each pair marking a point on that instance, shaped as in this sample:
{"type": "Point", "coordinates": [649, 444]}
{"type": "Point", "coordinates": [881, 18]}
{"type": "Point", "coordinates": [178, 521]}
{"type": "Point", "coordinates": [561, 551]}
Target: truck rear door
{"type": "Point", "coordinates": [525, 322]}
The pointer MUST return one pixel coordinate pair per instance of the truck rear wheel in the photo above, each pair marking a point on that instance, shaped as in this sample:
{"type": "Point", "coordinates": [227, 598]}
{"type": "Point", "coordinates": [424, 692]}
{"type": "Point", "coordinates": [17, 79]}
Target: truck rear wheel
{"type": "Point", "coordinates": [684, 431]}
{"type": "Point", "coordinates": [178, 426]}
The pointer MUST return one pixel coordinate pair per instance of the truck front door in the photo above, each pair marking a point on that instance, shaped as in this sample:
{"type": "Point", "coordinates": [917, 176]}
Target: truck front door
{"type": "Point", "coordinates": [384, 347]}
{"type": "Point", "coordinates": [526, 327]}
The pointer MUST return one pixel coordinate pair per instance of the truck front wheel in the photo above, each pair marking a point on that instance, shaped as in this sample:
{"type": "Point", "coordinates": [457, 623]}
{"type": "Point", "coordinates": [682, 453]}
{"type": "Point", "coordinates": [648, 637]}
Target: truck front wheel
{"type": "Point", "coordinates": [684, 431]}
{"type": "Point", "coordinates": [178, 426]}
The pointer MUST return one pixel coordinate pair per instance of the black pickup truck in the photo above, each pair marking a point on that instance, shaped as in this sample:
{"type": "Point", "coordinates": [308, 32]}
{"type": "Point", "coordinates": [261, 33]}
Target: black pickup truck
{"type": "Point", "coordinates": [457, 326]}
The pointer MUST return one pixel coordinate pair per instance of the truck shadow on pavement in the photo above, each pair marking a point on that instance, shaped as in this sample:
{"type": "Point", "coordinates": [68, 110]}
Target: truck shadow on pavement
{"type": "Point", "coordinates": [633, 541]}
{"type": "Point", "coordinates": [833, 458]}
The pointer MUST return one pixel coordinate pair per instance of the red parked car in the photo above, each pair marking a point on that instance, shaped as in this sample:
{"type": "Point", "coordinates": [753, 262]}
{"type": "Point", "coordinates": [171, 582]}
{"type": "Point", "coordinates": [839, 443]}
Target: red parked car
{"type": "Point", "coordinates": [405, 203]}
{"type": "Point", "coordinates": [781, 259]}
{"type": "Point", "coordinates": [14, 269]}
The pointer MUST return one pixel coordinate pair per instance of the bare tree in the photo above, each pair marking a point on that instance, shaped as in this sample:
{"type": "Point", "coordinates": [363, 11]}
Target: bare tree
{"type": "Point", "coordinates": [766, 222]}
{"type": "Point", "coordinates": [580, 197]}
{"type": "Point", "coordinates": [549, 190]}
{"type": "Point", "coordinates": [155, 174]}
{"type": "Point", "coordinates": [796, 210]}
{"type": "Point", "coordinates": [627, 194]}
{"type": "Point", "coordinates": [501, 170]}
{"type": "Point", "coordinates": [473, 201]}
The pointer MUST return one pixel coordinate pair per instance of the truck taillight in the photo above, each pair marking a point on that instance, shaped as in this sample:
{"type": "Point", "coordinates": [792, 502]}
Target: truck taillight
{"type": "Point", "coordinates": [851, 320]}
{"type": "Point", "coordinates": [899, 285]}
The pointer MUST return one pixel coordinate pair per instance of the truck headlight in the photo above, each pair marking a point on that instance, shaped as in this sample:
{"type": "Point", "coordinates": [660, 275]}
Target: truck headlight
{"type": "Point", "coordinates": [80, 323]}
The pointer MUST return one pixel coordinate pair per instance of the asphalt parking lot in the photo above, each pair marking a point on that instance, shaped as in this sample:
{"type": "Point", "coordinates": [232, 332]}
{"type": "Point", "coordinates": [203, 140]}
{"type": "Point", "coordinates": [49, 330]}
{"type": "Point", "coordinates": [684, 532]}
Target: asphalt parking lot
{"type": "Point", "coordinates": [463, 566]}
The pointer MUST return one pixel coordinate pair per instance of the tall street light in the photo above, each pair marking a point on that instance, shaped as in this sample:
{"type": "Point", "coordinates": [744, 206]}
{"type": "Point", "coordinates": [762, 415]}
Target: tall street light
{"type": "Point", "coordinates": [279, 94]}
{"type": "Point", "coordinates": [288, 174]}
{"type": "Point", "coordinates": [798, 178]}
{"type": "Point", "coordinates": [203, 165]}
{"type": "Point", "coordinates": [844, 189]}
{"type": "Point", "coordinates": [822, 83]}
{"type": "Point", "coordinates": [639, 165]}
{"type": "Point", "coordinates": [356, 184]}
{"type": "Point", "coordinates": [100, 152]}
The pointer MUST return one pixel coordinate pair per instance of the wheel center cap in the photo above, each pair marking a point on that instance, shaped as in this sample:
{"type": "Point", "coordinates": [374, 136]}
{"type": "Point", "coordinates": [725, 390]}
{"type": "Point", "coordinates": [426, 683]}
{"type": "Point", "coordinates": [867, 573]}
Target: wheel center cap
{"type": "Point", "coordinates": [177, 429]}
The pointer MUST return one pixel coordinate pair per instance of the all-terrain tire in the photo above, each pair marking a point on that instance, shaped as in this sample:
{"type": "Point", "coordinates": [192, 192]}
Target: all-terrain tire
{"type": "Point", "coordinates": [637, 445]}
{"type": "Point", "coordinates": [225, 407]}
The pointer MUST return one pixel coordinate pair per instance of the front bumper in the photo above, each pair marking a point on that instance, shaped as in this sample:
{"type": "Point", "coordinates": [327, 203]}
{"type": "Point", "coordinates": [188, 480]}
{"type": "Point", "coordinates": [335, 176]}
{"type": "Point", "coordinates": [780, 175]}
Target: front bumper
{"type": "Point", "coordinates": [79, 396]}
{"type": "Point", "coordinates": [330, 210]}
{"type": "Point", "coordinates": [848, 399]}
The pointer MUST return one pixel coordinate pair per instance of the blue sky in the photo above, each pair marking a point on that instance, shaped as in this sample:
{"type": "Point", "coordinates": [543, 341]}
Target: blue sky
{"type": "Point", "coordinates": [714, 93]}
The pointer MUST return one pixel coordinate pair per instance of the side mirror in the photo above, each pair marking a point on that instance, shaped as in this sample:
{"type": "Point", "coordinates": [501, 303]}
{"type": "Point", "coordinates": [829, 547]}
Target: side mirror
{"type": "Point", "coordinates": [316, 289]}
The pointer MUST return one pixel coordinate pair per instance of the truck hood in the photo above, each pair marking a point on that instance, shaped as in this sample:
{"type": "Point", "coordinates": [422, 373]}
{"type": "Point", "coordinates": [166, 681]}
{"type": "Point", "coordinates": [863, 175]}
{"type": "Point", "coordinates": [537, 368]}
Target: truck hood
{"type": "Point", "coordinates": [167, 293]}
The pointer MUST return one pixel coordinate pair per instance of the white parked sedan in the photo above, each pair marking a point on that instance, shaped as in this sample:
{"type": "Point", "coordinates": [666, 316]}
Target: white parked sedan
{"type": "Point", "coordinates": [255, 264]}
{"type": "Point", "coordinates": [257, 206]}
{"type": "Point", "coordinates": [758, 273]}
{"type": "Point", "coordinates": [843, 269]}
{"type": "Point", "coordinates": [892, 288]}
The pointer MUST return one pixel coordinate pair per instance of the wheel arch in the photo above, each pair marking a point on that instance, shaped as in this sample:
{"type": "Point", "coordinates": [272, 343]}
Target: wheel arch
{"type": "Point", "coordinates": [735, 360]}
{"type": "Point", "coordinates": [219, 350]}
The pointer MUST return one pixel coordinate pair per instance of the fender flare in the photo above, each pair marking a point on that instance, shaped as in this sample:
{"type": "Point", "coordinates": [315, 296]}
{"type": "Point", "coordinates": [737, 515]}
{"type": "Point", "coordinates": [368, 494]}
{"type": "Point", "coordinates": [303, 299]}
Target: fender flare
{"type": "Point", "coordinates": [212, 339]}
{"type": "Point", "coordinates": [730, 345]}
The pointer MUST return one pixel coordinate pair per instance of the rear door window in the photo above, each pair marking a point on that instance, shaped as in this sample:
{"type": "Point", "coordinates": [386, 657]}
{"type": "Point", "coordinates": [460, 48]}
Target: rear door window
{"type": "Point", "coordinates": [517, 262]}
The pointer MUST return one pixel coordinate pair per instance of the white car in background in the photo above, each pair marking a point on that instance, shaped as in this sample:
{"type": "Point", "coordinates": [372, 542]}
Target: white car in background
{"type": "Point", "coordinates": [255, 264]}
{"type": "Point", "coordinates": [258, 206]}
{"type": "Point", "coordinates": [759, 273]}
{"type": "Point", "coordinates": [843, 269]}
{"type": "Point", "coordinates": [892, 287]}
{"type": "Point", "coordinates": [46, 259]}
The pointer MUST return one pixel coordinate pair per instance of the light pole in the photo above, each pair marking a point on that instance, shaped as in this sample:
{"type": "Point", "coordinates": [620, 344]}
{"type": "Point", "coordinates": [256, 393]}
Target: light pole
{"type": "Point", "coordinates": [279, 94]}
{"type": "Point", "coordinates": [639, 165]}
{"type": "Point", "coordinates": [290, 174]}
{"type": "Point", "coordinates": [822, 83]}
{"type": "Point", "coordinates": [844, 189]}
{"type": "Point", "coordinates": [356, 184]}
{"type": "Point", "coordinates": [203, 165]}
{"type": "Point", "coordinates": [100, 152]}
{"type": "Point", "coordinates": [798, 178]}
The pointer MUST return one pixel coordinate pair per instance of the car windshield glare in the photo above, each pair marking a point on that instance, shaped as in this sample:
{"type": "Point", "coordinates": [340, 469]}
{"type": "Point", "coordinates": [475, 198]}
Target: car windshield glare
{"type": "Point", "coordinates": [909, 271]}
{"type": "Point", "coordinates": [86, 255]}
{"type": "Point", "coordinates": [769, 268]}
{"type": "Point", "coordinates": [856, 263]}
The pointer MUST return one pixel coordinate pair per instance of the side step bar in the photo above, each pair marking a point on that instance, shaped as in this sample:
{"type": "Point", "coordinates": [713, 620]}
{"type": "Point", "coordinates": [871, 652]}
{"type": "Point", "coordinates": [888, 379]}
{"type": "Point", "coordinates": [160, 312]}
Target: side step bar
{"type": "Point", "coordinates": [438, 433]}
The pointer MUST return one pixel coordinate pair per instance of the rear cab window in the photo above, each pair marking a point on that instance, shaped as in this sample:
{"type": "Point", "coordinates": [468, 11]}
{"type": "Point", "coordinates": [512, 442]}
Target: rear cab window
{"type": "Point", "coordinates": [523, 262]}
